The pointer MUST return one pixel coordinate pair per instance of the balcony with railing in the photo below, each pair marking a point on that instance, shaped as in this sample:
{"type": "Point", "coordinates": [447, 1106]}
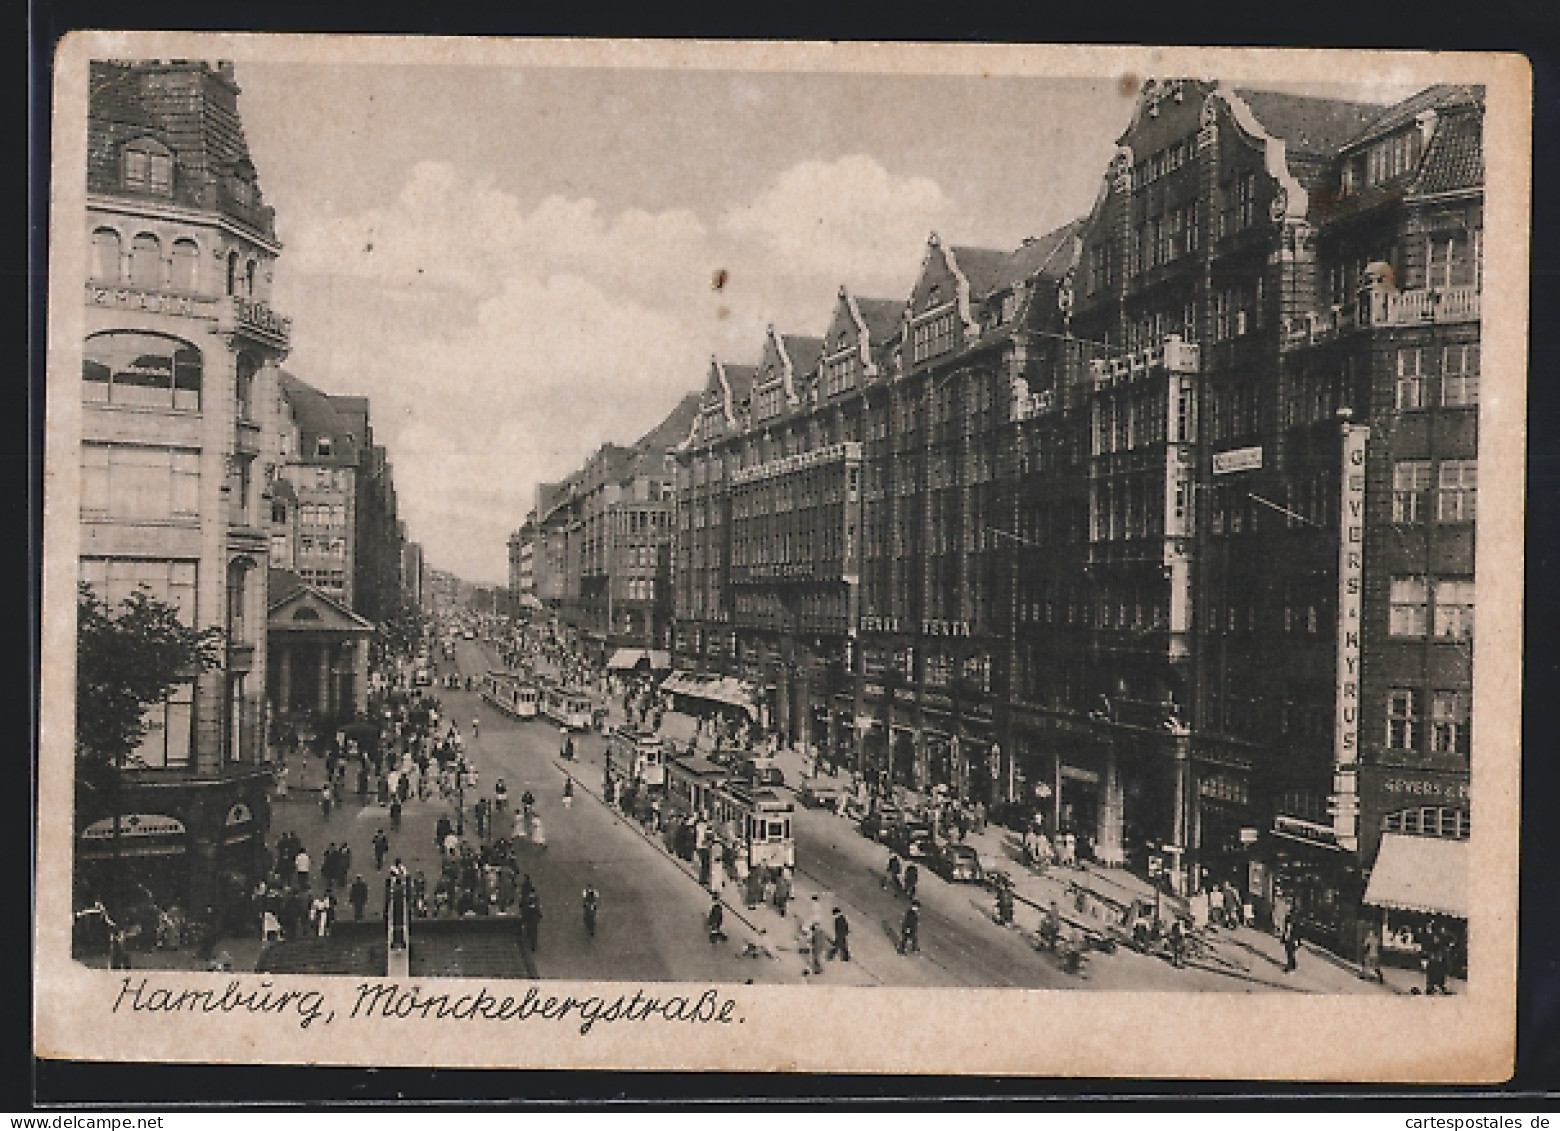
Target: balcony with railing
{"type": "Point", "coordinates": [1425, 306]}
{"type": "Point", "coordinates": [1171, 354]}
{"type": "Point", "coordinates": [254, 319]}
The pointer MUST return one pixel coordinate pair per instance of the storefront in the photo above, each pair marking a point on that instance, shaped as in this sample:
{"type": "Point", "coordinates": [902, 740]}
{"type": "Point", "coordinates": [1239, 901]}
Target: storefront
{"type": "Point", "coordinates": [1306, 871]}
{"type": "Point", "coordinates": [1419, 888]}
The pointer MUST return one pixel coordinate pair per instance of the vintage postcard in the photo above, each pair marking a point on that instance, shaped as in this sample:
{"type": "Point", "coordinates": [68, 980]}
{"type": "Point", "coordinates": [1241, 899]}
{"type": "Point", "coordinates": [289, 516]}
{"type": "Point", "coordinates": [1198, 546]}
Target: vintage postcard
{"type": "Point", "coordinates": [878, 558]}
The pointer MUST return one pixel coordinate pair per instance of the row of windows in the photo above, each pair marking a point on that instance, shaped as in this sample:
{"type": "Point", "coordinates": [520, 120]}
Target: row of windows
{"type": "Point", "coordinates": [933, 336]}
{"type": "Point", "coordinates": [139, 483]}
{"type": "Point", "coordinates": [145, 266]}
{"type": "Point", "coordinates": [1429, 820]}
{"type": "Point", "coordinates": [1413, 612]}
{"type": "Point", "coordinates": [1456, 495]}
{"type": "Point", "coordinates": [1445, 731]}
{"type": "Point", "coordinates": [1417, 383]}
{"type": "Point", "coordinates": [171, 582]}
{"type": "Point", "coordinates": [333, 579]}
{"type": "Point", "coordinates": [322, 514]}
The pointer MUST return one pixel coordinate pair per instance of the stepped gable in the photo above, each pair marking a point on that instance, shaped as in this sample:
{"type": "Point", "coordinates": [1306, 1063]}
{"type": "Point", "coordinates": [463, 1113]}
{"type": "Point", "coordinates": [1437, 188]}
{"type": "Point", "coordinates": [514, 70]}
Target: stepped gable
{"type": "Point", "coordinates": [741, 378]}
{"type": "Point", "coordinates": [190, 107]}
{"type": "Point", "coordinates": [317, 416]}
{"type": "Point", "coordinates": [1309, 126]}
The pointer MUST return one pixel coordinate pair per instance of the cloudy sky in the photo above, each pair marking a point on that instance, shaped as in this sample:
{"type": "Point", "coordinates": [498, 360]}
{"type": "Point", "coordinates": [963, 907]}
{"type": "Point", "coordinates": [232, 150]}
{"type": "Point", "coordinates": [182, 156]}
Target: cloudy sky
{"type": "Point", "coordinates": [516, 264]}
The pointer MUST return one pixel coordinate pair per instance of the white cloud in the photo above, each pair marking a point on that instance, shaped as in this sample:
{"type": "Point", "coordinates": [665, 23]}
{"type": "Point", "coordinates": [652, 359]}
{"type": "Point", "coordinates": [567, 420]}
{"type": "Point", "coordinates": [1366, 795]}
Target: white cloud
{"type": "Point", "coordinates": [500, 345]}
{"type": "Point", "coordinates": [849, 220]}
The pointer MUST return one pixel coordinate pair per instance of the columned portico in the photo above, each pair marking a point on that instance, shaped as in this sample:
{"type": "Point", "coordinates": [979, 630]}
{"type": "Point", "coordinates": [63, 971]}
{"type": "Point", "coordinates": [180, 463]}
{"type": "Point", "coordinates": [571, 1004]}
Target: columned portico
{"type": "Point", "coordinates": [320, 652]}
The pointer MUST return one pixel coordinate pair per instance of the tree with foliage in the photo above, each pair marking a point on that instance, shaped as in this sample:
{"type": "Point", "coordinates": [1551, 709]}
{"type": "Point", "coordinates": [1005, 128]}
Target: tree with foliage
{"type": "Point", "coordinates": [128, 658]}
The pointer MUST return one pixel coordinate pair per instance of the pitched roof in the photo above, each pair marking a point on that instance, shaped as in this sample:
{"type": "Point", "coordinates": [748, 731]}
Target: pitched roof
{"type": "Point", "coordinates": [1308, 125]}
{"type": "Point", "coordinates": [984, 267]}
{"type": "Point", "coordinates": [1442, 96]}
{"type": "Point", "coordinates": [674, 429]}
{"type": "Point", "coordinates": [740, 378]}
{"type": "Point", "coordinates": [317, 415]}
{"type": "Point", "coordinates": [804, 353]}
{"type": "Point", "coordinates": [882, 316]}
{"type": "Point", "coordinates": [1049, 255]}
{"type": "Point", "coordinates": [281, 584]}
{"type": "Point", "coordinates": [1455, 157]}
{"type": "Point", "coordinates": [192, 108]}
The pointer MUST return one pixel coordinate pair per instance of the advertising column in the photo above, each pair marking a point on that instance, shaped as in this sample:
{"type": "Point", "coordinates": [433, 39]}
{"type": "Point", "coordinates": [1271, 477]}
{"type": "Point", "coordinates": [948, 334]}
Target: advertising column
{"type": "Point", "coordinates": [1344, 804]}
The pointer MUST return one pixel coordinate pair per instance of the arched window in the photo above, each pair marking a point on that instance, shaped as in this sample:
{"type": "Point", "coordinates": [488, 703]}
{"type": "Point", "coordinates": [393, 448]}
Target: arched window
{"type": "Point", "coordinates": [146, 261]}
{"type": "Point", "coordinates": [232, 273]}
{"type": "Point", "coordinates": [249, 279]}
{"type": "Point", "coordinates": [106, 247]}
{"type": "Point", "coordinates": [141, 370]}
{"type": "Point", "coordinates": [182, 275]}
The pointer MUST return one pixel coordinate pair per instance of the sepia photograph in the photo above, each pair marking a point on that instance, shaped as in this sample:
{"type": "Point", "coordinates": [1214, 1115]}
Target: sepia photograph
{"type": "Point", "coordinates": [860, 558]}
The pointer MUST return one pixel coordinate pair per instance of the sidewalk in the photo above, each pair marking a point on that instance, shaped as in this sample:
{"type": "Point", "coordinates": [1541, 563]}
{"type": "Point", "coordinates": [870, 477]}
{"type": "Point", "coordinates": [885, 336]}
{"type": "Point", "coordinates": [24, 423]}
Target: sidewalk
{"type": "Point", "coordinates": [1242, 954]}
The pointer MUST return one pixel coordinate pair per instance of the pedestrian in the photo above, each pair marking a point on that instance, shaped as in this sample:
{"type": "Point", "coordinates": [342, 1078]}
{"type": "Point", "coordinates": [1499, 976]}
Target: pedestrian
{"type": "Point", "coordinates": [1370, 956]}
{"type": "Point", "coordinates": [912, 877]}
{"type": "Point", "coordinates": [592, 902]}
{"type": "Point", "coordinates": [531, 918]}
{"type": "Point", "coordinates": [841, 949]}
{"type": "Point", "coordinates": [301, 868]}
{"type": "Point", "coordinates": [325, 800]}
{"type": "Point", "coordinates": [395, 815]}
{"type": "Point", "coordinates": [1291, 940]}
{"type": "Point", "coordinates": [357, 895]}
{"type": "Point", "coordinates": [783, 890]}
{"type": "Point", "coordinates": [816, 938]}
{"type": "Point", "coordinates": [715, 920]}
{"type": "Point", "coordinates": [891, 873]}
{"type": "Point", "coordinates": [500, 795]}
{"type": "Point", "coordinates": [1177, 944]}
{"type": "Point", "coordinates": [568, 792]}
{"type": "Point", "coordinates": [441, 829]}
{"type": "Point", "coordinates": [910, 928]}
{"type": "Point", "coordinates": [381, 849]}
{"type": "Point", "coordinates": [538, 834]}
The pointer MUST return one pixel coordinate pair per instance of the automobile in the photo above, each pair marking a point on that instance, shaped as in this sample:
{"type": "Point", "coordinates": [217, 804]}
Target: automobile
{"type": "Point", "coordinates": [761, 771]}
{"type": "Point", "coordinates": [913, 840]}
{"type": "Point", "coordinates": [820, 794]}
{"type": "Point", "coordinates": [879, 823]}
{"type": "Point", "coordinates": [423, 678]}
{"type": "Point", "coordinates": [469, 635]}
{"type": "Point", "coordinates": [958, 864]}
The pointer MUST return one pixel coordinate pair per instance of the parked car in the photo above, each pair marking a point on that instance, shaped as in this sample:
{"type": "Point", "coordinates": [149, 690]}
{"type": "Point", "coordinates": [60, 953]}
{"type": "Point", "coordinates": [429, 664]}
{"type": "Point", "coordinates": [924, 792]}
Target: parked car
{"type": "Point", "coordinates": [913, 840]}
{"type": "Point", "coordinates": [820, 794]}
{"type": "Point", "coordinates": [879, 823]}
{"type": "Point", "coordinates": [958, 864]}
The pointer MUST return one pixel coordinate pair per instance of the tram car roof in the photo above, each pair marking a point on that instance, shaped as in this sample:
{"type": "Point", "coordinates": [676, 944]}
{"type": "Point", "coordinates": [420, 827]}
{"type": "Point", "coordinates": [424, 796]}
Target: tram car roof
{"type": "Point", "coordinates": [703, 767]}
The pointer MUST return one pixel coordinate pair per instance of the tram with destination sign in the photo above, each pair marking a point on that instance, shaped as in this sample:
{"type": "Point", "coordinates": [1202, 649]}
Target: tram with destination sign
{"type": "Point", "coordinates": [756, 819]}
{"type": "Point", "coordinates": [569, 709]}
{"type": "Point", "coordinates": [511, 694]}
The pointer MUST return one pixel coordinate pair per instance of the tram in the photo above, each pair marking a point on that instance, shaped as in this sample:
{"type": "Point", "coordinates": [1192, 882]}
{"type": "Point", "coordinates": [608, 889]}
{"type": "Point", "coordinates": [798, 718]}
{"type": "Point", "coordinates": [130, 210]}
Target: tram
{"type": "Point", "coordinates": [638, 756]}
{"type": "Point", "coordinates": [569, 709]}
{"type": "Point", "coordinates": [510, 694]}
{"type": "Point", "coordinates": [757, 820]}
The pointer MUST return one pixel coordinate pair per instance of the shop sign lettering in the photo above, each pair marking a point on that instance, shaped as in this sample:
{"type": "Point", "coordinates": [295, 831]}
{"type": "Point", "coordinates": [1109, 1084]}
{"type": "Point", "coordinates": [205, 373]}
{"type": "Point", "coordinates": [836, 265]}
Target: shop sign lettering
{"type": "Point", "coordinates": [1351, 543]}
{"type": "Point", "coordinates": [1427, 787]}
{"type": "Point", "coordinates": [124, 298]}
{"type": "Point", "coordinates": [945, 628]}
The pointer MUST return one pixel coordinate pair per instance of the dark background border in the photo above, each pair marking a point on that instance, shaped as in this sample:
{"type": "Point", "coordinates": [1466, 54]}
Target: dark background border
{"type": "Point", "coordinates": [1525, 26]}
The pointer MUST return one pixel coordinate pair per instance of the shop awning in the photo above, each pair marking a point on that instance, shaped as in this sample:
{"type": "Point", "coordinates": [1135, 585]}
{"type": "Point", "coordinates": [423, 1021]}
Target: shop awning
{"type": "Point", "coordinates": [659, 660]}
{"type": "Point", "coordinates": [1420, 873]}
{"type": "Point", "coordinates": [716, 689]}
{"type": "Point", "coordinates": [678, 727]}
{"type": "Point", "coordinates": [625, 659]}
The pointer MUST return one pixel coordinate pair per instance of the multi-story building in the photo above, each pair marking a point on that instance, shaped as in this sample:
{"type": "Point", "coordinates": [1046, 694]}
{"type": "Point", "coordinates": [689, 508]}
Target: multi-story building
{"type": "Point", "coordinates": [1160, 525]}
{"type": "Point", "coordinates": [412, 570]}
{"type": "Point", "coordinates": [597, 549]}
{"type": "Point", "coordinates": [314, 498]}
{"type": "Point", "coordinates": [177, 452]}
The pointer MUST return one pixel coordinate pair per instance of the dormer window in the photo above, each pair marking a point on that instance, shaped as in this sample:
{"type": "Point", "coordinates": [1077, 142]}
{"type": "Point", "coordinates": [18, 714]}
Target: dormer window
{"type": "Point", "coordinates": [322, 447]}
{"type": "Point", "coordinates": [147, 166]}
